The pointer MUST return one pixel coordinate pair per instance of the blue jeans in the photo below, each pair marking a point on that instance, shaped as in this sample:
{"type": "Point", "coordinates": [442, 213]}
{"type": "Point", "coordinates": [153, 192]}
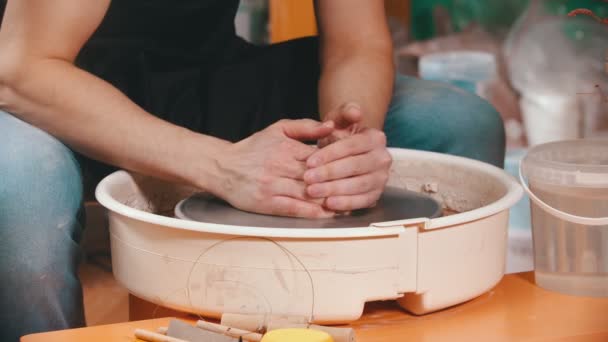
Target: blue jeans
{"type": "Point", "coordinates": [41, 197]}
{"type": "Point", "coordinates": [40, 201]}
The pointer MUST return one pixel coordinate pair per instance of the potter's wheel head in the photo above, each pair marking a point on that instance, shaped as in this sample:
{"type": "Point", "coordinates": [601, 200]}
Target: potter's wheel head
{"type": "Point", "coordinates": [394, 204]}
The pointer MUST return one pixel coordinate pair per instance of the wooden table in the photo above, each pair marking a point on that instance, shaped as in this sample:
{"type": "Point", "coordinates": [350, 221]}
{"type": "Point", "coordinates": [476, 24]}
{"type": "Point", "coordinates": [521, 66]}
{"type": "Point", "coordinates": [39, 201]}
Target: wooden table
{"type": "Point", "coordinates": [515, 310]}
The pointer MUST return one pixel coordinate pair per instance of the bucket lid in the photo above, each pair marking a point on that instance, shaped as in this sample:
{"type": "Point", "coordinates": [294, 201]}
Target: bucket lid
{"type": "Point", "coordinates": [575, 163]}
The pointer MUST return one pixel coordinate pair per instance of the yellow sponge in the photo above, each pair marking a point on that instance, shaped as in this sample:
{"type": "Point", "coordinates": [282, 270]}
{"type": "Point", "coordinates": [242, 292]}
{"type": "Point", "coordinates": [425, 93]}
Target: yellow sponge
{"type": "Point", "coordinates": [296, 335]}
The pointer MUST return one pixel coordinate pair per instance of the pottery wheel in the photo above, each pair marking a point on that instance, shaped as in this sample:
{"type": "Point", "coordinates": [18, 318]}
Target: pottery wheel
{"type": "Point", "coordinates": [394, 204]}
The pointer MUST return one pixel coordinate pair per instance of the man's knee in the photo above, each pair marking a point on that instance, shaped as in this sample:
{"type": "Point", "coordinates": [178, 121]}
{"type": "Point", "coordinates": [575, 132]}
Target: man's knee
{"type": "Point", "coordinates": [38, 174]}
{"type": "Point", "coordinates": [442, 118]}
{"type": "Point", "coordinates": [40, 193]}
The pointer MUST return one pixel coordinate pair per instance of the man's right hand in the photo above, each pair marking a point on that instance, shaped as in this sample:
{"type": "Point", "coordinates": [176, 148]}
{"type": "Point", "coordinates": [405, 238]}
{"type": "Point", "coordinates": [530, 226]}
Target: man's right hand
{"type": "Point", "coordinates": [264, 172]}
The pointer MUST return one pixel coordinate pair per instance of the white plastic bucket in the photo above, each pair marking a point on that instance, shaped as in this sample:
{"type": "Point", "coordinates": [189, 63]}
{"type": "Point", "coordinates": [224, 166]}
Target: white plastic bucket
{"type": "Point", "coordinates": [568, 189]}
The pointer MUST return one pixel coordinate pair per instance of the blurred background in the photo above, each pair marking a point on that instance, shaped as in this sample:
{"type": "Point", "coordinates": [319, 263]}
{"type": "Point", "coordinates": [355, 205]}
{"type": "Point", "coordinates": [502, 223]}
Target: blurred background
{"type": "Point", "coordinates": [544, 69]}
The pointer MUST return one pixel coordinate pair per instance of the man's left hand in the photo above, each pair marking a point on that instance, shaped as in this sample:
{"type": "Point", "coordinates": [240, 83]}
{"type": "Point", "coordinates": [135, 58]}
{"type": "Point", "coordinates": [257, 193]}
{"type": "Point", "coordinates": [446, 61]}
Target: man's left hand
{"type": "Point", "coordinates": [351, 168]}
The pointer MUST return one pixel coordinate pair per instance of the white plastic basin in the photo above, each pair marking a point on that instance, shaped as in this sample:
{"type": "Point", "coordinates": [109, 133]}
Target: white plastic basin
{"type": "Point", "coordinates": [327, 274]}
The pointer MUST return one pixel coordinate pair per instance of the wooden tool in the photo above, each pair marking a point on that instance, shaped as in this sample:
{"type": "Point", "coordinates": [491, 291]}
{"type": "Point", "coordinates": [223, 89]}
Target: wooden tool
{"type": "Point", "coordinates": [259, 322]}
{"type": "Point", "coordinates": [264, 323]}
{"type": "Point", "coordinates": [229, 331]}
{"type": "Point", "coordinates": [150, 336]}
{"type": "Point", "coordinates": [188, 332]}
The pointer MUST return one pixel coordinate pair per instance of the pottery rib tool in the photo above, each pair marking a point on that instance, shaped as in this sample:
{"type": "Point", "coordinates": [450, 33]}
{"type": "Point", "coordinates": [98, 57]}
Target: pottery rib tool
{"type": "Point", "coordinates": [190, 333]}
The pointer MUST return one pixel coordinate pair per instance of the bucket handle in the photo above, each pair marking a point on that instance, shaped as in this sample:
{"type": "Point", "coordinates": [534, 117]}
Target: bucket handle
{"type": "Point", "coordinates": [588, 221]}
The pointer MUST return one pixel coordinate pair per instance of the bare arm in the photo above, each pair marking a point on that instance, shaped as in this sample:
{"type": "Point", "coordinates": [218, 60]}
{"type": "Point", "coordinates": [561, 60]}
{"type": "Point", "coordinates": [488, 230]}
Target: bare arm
{"type": "Point", "coordinates": [39, 83]}
{"type": "Point", "coordinates": [355, 88]}
{"type": "Point", "coordinates": [356, 58]}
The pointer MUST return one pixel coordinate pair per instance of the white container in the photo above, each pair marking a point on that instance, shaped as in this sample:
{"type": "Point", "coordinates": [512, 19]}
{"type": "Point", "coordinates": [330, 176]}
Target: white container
{"type": "Point", "coordinates": [469, 70]}
{"type": "Point", "coordinates": [568, 186]}
{"type": "Point", "coordinates": [327, 274]}
{"type": "Point", "coordinates": [551, 117]}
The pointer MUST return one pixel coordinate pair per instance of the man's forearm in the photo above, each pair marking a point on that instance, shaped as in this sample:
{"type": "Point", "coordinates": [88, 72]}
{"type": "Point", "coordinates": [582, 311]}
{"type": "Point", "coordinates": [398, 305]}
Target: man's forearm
{"type": "Point", "coordinates": [364, 78]}
{"type": "Point", "coordinates": [94, 118]}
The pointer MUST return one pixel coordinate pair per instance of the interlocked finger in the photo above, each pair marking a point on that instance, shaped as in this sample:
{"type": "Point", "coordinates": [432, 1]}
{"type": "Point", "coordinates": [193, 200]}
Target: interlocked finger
{"type": "Point", "coordinates": [291, 169]}
{"type": "Point", "coordinates": [363, 142]}
{"type": "Point", "coordinates": [294, 189]}
{"type": "Point", "coordinates": [287, 206]}
{"type": "Point", "coordinates": [348, 186]}
{"type": "Point", "coordinates": [346, 167]}
{"type": "Point", "coordinates": [348, 203]}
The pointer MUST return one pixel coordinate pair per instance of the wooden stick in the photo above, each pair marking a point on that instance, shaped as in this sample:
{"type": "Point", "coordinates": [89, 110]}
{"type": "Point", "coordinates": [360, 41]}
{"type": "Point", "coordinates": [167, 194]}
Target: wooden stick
{"type": "Point", "coordinates": [258, 322]}
{"type": "Point", "coordinates": [162, 330]}
{"type": "Point", "coordinates": [263, 323]}
{"type": "Point", "coordinates": [150, 336]}
{"type": "Point", "coordinates": [228, 331]}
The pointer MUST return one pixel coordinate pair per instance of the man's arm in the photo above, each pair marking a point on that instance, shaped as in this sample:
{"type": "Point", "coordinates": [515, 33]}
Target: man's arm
{"type": "Point", "coordinates": [355, 88]}
{"type": "Point", "coordinates": [356, 58]}
{"type": "Point", "coordinates": [40, 84]}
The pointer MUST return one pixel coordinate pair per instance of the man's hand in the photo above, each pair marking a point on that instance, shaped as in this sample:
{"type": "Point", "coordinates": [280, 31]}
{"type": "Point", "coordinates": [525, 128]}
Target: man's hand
{"type": "Point", "coordinates": [352, 167]}
{"type": "Point", "coordinates": [264, 173]}
{"type": "Point", "coordinates": [347, 119]}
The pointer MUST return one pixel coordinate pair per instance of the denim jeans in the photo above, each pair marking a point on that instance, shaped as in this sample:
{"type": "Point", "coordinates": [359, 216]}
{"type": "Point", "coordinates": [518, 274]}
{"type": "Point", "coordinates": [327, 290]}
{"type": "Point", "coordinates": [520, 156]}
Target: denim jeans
{"type": "Point", "coordinates": [41, 197]}
{"type": "Point", "coordinates": [40, 201]}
